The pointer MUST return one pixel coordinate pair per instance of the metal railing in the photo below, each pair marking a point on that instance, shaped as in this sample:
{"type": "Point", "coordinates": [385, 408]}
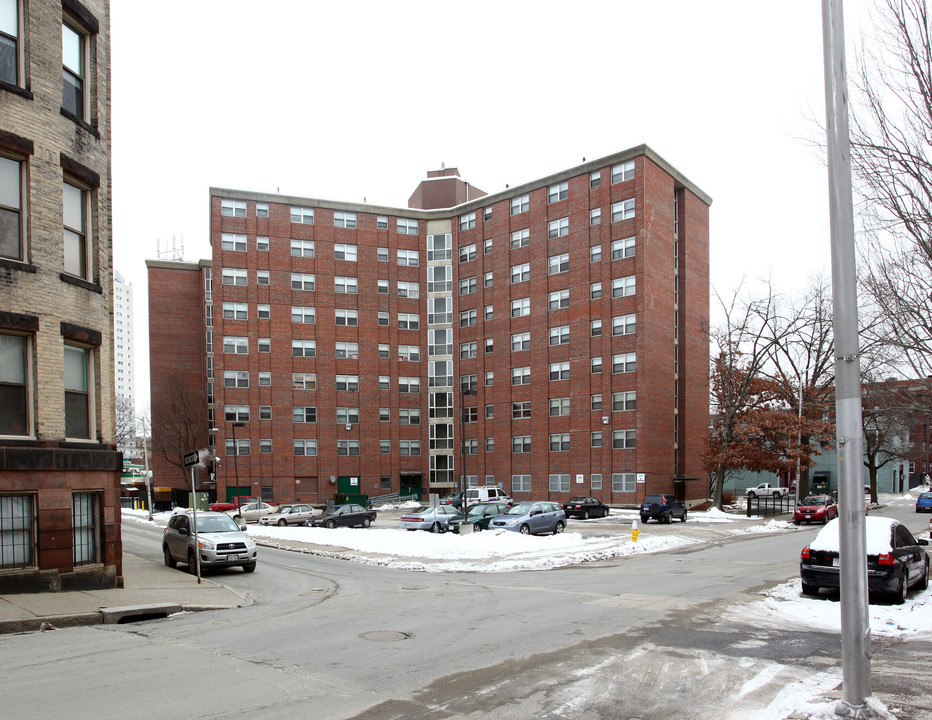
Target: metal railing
{"type": "Point", "coordinates": [769, 505]}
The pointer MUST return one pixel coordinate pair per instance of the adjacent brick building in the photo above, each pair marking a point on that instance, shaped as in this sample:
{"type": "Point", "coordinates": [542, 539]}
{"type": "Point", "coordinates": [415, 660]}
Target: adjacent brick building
{"type": "Point", "coordinates": [59, 468]}
{"type": "Point", "coordinates": [551, 338]}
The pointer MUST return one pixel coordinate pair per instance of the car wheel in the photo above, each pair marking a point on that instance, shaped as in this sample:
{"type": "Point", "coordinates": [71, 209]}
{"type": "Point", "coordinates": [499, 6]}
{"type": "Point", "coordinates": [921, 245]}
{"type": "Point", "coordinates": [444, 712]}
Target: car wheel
{"type": "Point", "coordinates": [668, 518]}
{"type": "Point", "coordinates": [902, 592]}
{"type": "Point", "coordinates": [810, 589]}
{"type": "Point", "coordinates": [777, 496]}
{"type": "Point", "coordinates": [558, 528]}
{"type": "Point", "coordinates": [476, 527]}
{"type": "Point", "coordinates": [366, 522]}
{"type": "Point", "coordinates": [606, 513]}
{"type": "Point", "coordinates": [796, 522]}
{"type": "Point", "coordinates": [924, 580]}
{"type": "Point", "coordinates": [249, 568]}
{"type": "Point", "coordinates": [645, 518]}
{"type": "Point", "coordinates": [585, 515]}
{"type": "Point", "coordinates": [525, 530]}
{"type": "Point", "coordinates": [167, 556]}
{"type": "Point", "coordinates": [435, 528]}
{"type": "Point", "coordinates": [683, 519]}
{"type": "Point", "coordinates": [330, 524]}
{"type": "Point", "coordinates": [751, 496]}
{"type": "Point", "coordinates": [192, 563]}
{"type": "Point", "coordinates": [282, 522]}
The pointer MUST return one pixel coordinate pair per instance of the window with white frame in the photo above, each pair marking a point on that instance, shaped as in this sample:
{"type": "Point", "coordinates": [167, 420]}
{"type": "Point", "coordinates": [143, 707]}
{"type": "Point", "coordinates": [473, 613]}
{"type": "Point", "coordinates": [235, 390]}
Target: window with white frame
{"type": "Point", "coordinates": [235, 311]}
{"type": "Point", "coordinates": [595, 402]}
{"type": "Point", "coordinates": [308, 381]}
{"type": "Point", "coordinates": [595, 439]}
{"type": "Point", "coordinates": [236, 378]}
{"type": "Point", "coordinates": [265, 446]}
{"type": "Point", "coordinates": [595, 328]}
{"type": "Point", "coordinates": [302, 248]}
{"type": "Point", "coordinates": [487, 214]}
{"type": "Point", "coordinates": [595, 216]}
{"type": "Point", "coordinates": [262, 243]}
{"type": "Point", "coordinates": [349, 383]}
{"type": "Point", "coordinates": [303, 281]}
{"type": "Point", "coordinates": [560, 335]}
{"type": "Point", "coordinates": [559, 407]}
{"type": "Point", "coordinates": [381, 222]}
{"type": "Point", "coordinates": [489, 378]}
{"type": "Point", "coordinates": [559, 371]}
{"type": "Point", "coordinates": [262, 277]}
{"type": "Point", "coordinates": [468, 350]}
{"type": "Point", "coordinates": [12, 227]}
{"type": "Point", "coordinates": [439, 278]}
{"type": "Point", "coordinates": [348, 350]}
{"type": "Point", "coordinates": [520, 483]}
{"type": "Point", "coordinates": [469, 383]}
{"type": "Point", "coordinates": [487, 279]}
{"type": "Point", "coordinates": [234, 276]}
{"type": "Point", "coordinates": [489, 345]}
{"type": "Point", "coordinates": [623, 325]}
{"type": "Point", "coordinates": [559, 482]}
{"type": "Point", "coordinates": [487, 247]}
{"type": "Point", "coordinates": [624, 482]}
{"type": "Point", "coordinates": [344, 251]}
{"type": "Point", "coordinates": [558, 191]}
{"type": "Point", "coordinates": [520, 307]}
{"type": "Point", "coordinates": [520, 238]}
{"type": "Point", "coordinates": [302, 216]}
{"type": "Point", "coordinates": [77, 243]}
{"type": "Point", "coordinates": [409, 416]}
{"type": "Point", "coordinates": [489, 313]}
{"type": "Point", "coordinates": [381, 254]}
{"type": "Point", "coordinates": [236, 413]}
{"type": "Point", "coordinates": [347, 416]}
{"type": "Point", "coordinates": [559, 300]}
{"type": "Point", "coordinates": [521, 376]}
{"type": "Point", "coordinates": [439, 247]}
{"type": "Point", "coordinates": [558, 264]}
{"type": "Point", "coordinates": [520, 341]}
{"type": "Point", "coordinates": [234, 345]}
{"type": "Point", "coordinates": [520, 204]}
{"type": "Point", "coordinates": [467, 253]}
{"type": "Point", "coordinates": [382, 287]}
{"type": "Point", "coordinates": [262, 209]}
{"type": "Point", "coordinates": [623, 171]}
{"type": "Point", "coordinates": [470, 446]}
{"type": "Point", "coordinates": [622, 401]}
{"type": "Point", "coordinates": [624, 363]}
{"type": "Point", "coordinates": [409, 447]}
{"type": "Point", "coordinates": [408, 258]}
{"type": "Point", "coordinates": [468, 318]}
{"type": "Point", "coordinates": [558, 228]}
{"type": "Point", "coordinates": [470, 414]}
{"type": "Point", "coordinates": [15, 385]}
{"type": "Point", "coordinates": [346, 286]}
{"type": "Point", "coordinates": [467, 221]}
{"type": "Point", "coordinates": [623, 210]}
{"type": "Point", "coordinates": [407, 226]}
{"type": "Point", "coordinates": [304, 414]}
{"type": "Point", "coordinates": [439, 310]}
{"type": "Point", "coordinates": [238, 447]}
{"type": "Point", "coordinates": [233, 242]}
{"type": "Point", "coordinates": [624, 287]}
{"type": "Point", "coordinates": [409, 321]}
{"type": "Point", "coordinates": [409, 353]}
{"type": "Point", "coordinates": [344, 219]}
{"type": "Point", "coordinates": [623, 248]}
{"type": "Point", "coordinates": [623, 439]}
{"type": "Point", "coordinates": [521, 273]}
{"type": "Point", "coordinates": [521, 410]}
{"type": "Point", "coordinates": [595, 481]}
{"type": "Point", "coordinates": [468, 286]}
{"type": "Point", "coordinates": [385, 447]}
{"type": "Point", "coordinates": [304, 348]}
{"type": "Point", "coordinates": [521, 444]}
{"type": "Point", "coordinates": [303, 315]}
{"type": "Point", "coordinates": [265, 379]}
{"type": "Point", "coordinates": [383, 319]}
{"type": "Point", "coordinates": [595, 365]}
{"type": "Point", "coordinates": [347, 447]}
{"type": "Point", "coordinates": [305, 446]}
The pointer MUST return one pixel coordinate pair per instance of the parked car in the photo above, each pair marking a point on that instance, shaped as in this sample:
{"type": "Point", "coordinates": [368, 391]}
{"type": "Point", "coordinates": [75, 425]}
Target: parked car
{"type": "Point", "coordinates": [454, 499]}
{"type": "Point", "coordinates": [531, 518]}
{"type": "Point", "coordinates": [476, 495]}
{"type": "Point", "coordinates": [220, 542]}
{"type": "Point", "coordinates": [896, 561]}
{"type": "Point", "coordinates": [349, 515]}
{"type": "Point", "coordinates": [662, 508]}
{"type": "Point", "coordinates": [231, 505]}
{"type": "Point", "coordinates": [816, 508]}
{"type": "Point", "coordinates": [434, 519]}
{"type": "Point", "coordinates": [924, 502]}
{"type": "Point", "coordinates": [479, 516]}
{"type": "Point", "coordinates": [253, 511]}
{"type": "Point", "coordinates": [585, 508]}
{"type": "Point", "coordinates": [290, 515]}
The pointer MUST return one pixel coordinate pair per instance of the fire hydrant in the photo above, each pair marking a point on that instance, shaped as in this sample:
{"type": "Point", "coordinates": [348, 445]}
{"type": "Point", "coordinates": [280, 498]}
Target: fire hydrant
{"type": "Point", "coordinates": [634, 531]}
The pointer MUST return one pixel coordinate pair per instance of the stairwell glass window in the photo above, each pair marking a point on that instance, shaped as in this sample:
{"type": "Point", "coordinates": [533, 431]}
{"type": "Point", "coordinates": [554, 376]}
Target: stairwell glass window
{"type": "Point", "coordinates": [558, 228]}
{"type": "Point", "coordinates": [302, 216]}
{"type": "Point", "coordinates": [14, 385]}
{"type": "Point", "coordinates": [74, 70]}
{"type": "Point", "coordinates": [11, 205]}
{"type": "Point", "coordinates": [77, 244]}
{"type": "Point", "coordinates": [234, 208]}
{"type": "Point", "coordinates": [233, 242]}
{"type": "Point", "coordinates": [344, 219]}
{"type": "Point", "coordinates": [624, 287]}
{"type": "Point", "coordinates": [623, 210]}
{"type": "Point", "coordinates": [79, 384]}
{"type": "Point", "coordinates": [520, 204]}
{"type": "Point", "coordinates": [623, 248]}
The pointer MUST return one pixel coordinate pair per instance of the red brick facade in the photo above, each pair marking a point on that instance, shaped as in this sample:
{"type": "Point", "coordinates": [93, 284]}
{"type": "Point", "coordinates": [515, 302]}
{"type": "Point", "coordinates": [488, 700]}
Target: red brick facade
{"type": "Point", "coordinates": [567, 252]}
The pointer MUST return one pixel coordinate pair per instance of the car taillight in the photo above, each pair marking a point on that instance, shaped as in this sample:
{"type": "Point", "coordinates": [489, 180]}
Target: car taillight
{"type": "Point", "coordinates": [886, 559]}
{"type": "Point", "coordinates": [804, 555]}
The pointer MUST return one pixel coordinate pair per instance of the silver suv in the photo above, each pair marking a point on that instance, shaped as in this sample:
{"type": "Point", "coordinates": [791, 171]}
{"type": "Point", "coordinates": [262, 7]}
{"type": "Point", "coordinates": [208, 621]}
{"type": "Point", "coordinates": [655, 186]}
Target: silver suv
{"type": "Point", "coordinates": [221, 542]}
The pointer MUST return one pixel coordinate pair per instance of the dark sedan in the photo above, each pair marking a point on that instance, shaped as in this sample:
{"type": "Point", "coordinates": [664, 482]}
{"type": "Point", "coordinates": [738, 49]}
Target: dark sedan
{"type": "Point", "coordinates": [479, 516]}
{"type": "Point", "coordinates": [344, 516]}
{"type": "Point", "coordinates": [585, 508]}
{"type": "Point", "coordinates": [896, 561]}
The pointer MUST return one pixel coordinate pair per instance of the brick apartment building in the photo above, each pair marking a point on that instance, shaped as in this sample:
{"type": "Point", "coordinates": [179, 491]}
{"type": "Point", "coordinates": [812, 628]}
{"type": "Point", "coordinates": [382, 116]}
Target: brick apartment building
{"type": "Point", "coordinates": [59, 468]}
{"type": "Point", "coordinates": [550, 339]}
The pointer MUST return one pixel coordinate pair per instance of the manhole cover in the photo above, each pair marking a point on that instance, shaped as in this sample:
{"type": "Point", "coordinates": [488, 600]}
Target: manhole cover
{"type": "Point", "coordinates": [385, 635]}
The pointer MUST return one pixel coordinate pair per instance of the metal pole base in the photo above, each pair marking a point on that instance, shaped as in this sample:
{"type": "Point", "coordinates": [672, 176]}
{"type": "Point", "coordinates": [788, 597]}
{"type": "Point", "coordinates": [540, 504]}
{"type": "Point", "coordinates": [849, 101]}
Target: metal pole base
{"type": "Point", "coordinates": [858, 712]}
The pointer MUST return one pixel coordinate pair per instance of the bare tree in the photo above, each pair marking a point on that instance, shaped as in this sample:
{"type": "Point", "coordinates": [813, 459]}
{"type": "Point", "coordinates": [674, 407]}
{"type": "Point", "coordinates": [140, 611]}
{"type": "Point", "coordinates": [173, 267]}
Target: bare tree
{"type": "Point", "coordinates": [179, 423]}
{"type": "Point", "coordinates": [125, 422]}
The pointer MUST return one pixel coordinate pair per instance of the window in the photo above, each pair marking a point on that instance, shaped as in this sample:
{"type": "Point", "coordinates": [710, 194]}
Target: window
{"type": "Point", "coordinates": [471, 447]}
{"type": "Point", "coordinates": [468, 318]}
{"type": "Point", "coordinates": [560, 483]}
{"type": "Point", "coordinates": [348, 286]}
{"type": "Point", "coordinates": [559, 371]}
{"type": "Point", "coordinates": [467, 221]}
{"type": "Point", "coordinates": [520, 273]}
{"type": "Point", "coordinates": [595, 253]}
{"type": "Point", "coordinates": [470, 414]}
{"type": "Point", "coordinates": [407, 226]}
{"type": "Point", "coordinates": [623, 439]}
{"type": "Point", "coordinates": [74, 71]}
{"type": "Point", "coordinates": [595, 439]}
{"type": "Point", "coordinates": [262, 277]}
{"type": "Point", "coordinates": [489, 378]}
{"type": "Point", "coordinates": [381, 223]}
{"type": "Point", "coordinates": [409, 353]}
{"type": "Point", "coordinates": [520, 204]}
{"type": "Point", "coordinates": [409, 321]}
{"type": "Point", "coordinates": [521, 307]}
{"type": "Point", "coordinates": [304, 348]}
{"type": "Point", "coordinates": [17, 534]}
{"type": "Point", "coordinates": [308, 381]}
{"type": "Point", "coordinates": [236, 413]}
{"type": "Point", "coordinates": [262, 209]}
{"type": "Point", "coordinates": [304, 414]}
{"type": "Point", "coordinates": [595, 178]}
{"type": "Point", "coordinates": [14, 391]}
{"type": "Point", "coordinates": [595, 481]}
{"type": "Point", "coordinates": [521, 409]}
{"type": "Point", "coordinates": [521, 376]}
{"type": "Point", "coordinates": [11, 193]}
{"type": "Point", "coordinates": [487, 214]}
{"type": "Point", "coordinates": [520, 239]}
{"type": "Point", "coordinates": [623, 287]}
{"type": "Point", "coordinates": [342, 251]}
{"type": "Point", "coordinates": [265, 412]}
{"type": "Point", "coordinates": [9, 54]}
{"type": "Point", "coordinates": [347, 350]}
{"type": "Point", "coordinates": [409, 258]}
{"type": "Point", "coordinates": [595, 402]}
{"type": "Point", "coordinates": [624, 482]}
{"type": "Point", "coordinates": [305, 446]}
{"type": "Point", "coordinates": [381, 254]}
{"type": "Point", "coordinates": [487, 247]}
{"type": "Point", "coordinates": [385, 447]}
{"type": "Point", "coordinates": [409, 447]}
{"type": "Point", "coordinates": [303, 315]}
{"type": "Point", "coordinates": [489, 313]}
{"type": "Point", "coordinates": [235, 345]}
{"type": "Point", "coordinates": [558, 192]}
{"type": "Point", "coordinates": [78, 394]}
{"type": "Point", "coordinates": [623, 248]}
{"type": "Point", "coordinates": [623, 210]}
{"type": "Point", "coordinates": [344, 219]}
{"type": "Point", "coordinates": [409, 416]}
{"type": "Point", "coordinates": [558, 228]}
{"type": "Point", "coordinates": [595, 216]}
{"type": "Point", "coordinates": [440, 247]}
{"type": "Point", "coordinates": [265, 379]}
{"type": "Point", "coordinates": [76, 245]}
{"type": "Point", "coordinates": [383, 319]}
{"type": "Point", "coordinates": [559, 407]}
{"type": "Point", "coordinates": [595, 365]}
{"type": "Point", "coordinates": [409, 290]}
{"type": "Point", "coordinates": [232, 242]}
{"type": "Point", "coordinates": [559, 442]}
{"type": "Point", "coordinates": [241, 447]}
{"type": "Point", "coordinates": [595, 291]}
{"type": "Point", "coordinates": [468, 350]}
{"type": "Point", "coordinates": [236, 378]}
{"type": "Point", "coordinates": [624, 401]}
{"type": "Point", "coordinates": [385, 414]}
{"type": "Point", "coordinates": [624, 363]}
{"type": "Point", "coordinates": [265, 446]}
{"type": "Point", "coordinates": [234, 276]}
{"type": "Point", "coordinates": [521, 444]}
{"type": "Point", "coordinates": [85, 527]}
{"type": "Point", "coordinates": [302, 281]}
{"type": "Point", "coordinates": [467, 253]}
{"type": "Point", "coordinates": [558, 264]}
{"type": "Point", "coordinates": [487, 279]}
{"type": "Point", "coordinates": [489, 412]}
{"type": "Point", "coordinates": [302, 248]}
{"type": "Point", "coordinates": [347, 416]}
{"type": "Point", "coordinates": [468, 286]}
{"type": "Point", "coordinates": [489, 345]}
{"type": "Point", "coordinates": [235, 311]}
{"type": "Point", "coordinates": [409, 385]}
{"type": "Point", "coordinates": [520, 483]}
{"type": "Point", "coordinates": [595, 328]}
{"type": "Point", "coordinates": [262, 244]}
{"type": "Point", "coordinates": [469, 383]}
{"type": "Point", "coordinates": [559, 299]}
{"type": "Point", "coordinates": [302, 216]}
{"type": "Point", "coordinates": [623, 325]}
{"type": "Point", "coordinates": [439, 278]}
{"type": "Point", "coordinates": [520, 341]}
{"type": "Point", "coordinates": [560, 335]}
{"type": "Point", "coordinates": [623, 171]}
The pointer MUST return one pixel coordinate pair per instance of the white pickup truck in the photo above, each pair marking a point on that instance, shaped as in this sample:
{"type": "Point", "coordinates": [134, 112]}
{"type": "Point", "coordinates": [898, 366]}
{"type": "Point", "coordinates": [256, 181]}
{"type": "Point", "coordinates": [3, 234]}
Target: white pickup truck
{"type": "Point", "coordinates": [767, 490]}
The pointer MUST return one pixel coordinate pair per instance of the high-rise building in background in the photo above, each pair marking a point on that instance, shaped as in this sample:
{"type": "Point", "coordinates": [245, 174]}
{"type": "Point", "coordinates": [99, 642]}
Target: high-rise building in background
{"type": "Point", "coordinates": [59, 467]}
{"type": "Point", "coordinates": [551, 339]}
{"type": "Point", "coordinates": [124, 370]}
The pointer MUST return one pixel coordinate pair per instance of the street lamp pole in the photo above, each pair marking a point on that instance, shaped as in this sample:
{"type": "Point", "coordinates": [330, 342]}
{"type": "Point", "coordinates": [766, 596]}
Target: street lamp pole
{"type": "Point", "coordinates": [466, 390]}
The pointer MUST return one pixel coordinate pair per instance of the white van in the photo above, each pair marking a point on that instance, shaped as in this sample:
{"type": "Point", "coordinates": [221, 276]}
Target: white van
{"type": "Point", "coordinates": [475, 495]}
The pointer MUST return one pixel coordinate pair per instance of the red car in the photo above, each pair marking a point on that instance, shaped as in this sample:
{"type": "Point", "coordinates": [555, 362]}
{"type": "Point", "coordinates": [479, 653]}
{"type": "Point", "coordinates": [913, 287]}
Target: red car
{"type": "Point", "coordinates": [816, 508]}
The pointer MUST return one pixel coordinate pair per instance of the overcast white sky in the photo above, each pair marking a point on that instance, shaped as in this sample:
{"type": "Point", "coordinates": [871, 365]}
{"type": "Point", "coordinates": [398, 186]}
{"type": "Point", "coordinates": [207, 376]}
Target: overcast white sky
{"type": "Point", "coordinates": [357, 100]}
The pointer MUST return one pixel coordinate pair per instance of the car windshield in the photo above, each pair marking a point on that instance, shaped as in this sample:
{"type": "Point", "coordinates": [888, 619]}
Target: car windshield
{"type": "Point", "coordinates": [478, 510]}
{"type": "Point", "coordinates": [519, 509]}
{"type": "Point", "coordinates": [814, 501]}
{"type": "Point", "coordinates": [215, 524]}
{"type": "Point", "coordinates": [577, 500]}
{"type": "Point", "coordinates": [333, 510]}
{"type": "Point", "coordinates": [284, 509]}
{"type": "Point", "coordinates": [925, 496]}
{"type": "Point", "coordinates": [654, 499]}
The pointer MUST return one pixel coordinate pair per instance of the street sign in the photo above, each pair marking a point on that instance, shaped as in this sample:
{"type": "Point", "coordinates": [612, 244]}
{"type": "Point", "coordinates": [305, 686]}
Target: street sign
{"type": "Point", "coordinates": [191, 459]}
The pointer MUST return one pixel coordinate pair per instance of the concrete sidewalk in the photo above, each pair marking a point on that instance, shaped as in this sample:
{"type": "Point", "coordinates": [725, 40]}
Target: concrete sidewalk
{"type": "Point", "coordinates": [150, 590]}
